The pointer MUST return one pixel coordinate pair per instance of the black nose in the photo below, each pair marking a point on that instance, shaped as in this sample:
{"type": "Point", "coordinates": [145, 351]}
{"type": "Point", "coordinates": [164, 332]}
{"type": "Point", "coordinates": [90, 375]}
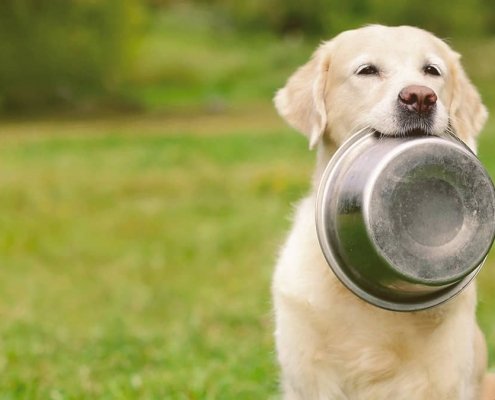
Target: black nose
{"type": "Point", "coordinates": [419, 99]}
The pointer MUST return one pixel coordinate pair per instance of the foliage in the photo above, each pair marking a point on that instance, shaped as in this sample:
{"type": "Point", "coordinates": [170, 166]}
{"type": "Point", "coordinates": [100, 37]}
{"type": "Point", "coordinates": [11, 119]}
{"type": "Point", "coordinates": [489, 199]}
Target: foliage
{"type": "Point", "coordinates": [189, 59]}
{"type": "Point", "coordinates": [62, 50]}
{"type": "Point", "coordinates": [185, 60]}
{"type": "Point", "coordinates": [165, 53]}
{"type": "Point", "coordinates": [328, 17]}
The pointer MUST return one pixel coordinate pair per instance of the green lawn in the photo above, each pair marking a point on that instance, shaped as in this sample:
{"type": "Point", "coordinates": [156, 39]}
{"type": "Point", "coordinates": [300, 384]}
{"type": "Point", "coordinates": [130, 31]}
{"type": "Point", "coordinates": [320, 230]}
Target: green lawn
{"type": "Point", "coordinates": [136, 255]}
{"type": "Point", "coordinates": [138, 266]}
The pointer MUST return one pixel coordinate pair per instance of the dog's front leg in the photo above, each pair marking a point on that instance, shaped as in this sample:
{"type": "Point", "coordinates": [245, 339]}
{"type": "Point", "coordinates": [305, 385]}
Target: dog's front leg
{"type": "Point", "coordinates": [306, 373]}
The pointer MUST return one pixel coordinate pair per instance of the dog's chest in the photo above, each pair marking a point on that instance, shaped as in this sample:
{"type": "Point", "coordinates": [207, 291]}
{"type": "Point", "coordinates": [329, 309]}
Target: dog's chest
{"type": "Point", "coordinates": [397, 372]}
{"type": "Point", "coordinates": [377, 354]}
{"type": "Point", "coordinates": [353, 351]}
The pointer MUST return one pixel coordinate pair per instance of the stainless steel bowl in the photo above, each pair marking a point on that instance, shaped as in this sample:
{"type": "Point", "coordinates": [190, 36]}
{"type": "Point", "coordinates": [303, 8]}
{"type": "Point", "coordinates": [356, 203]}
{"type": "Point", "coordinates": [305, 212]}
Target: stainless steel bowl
{"type": "Point", "coordinates": [405, 222]}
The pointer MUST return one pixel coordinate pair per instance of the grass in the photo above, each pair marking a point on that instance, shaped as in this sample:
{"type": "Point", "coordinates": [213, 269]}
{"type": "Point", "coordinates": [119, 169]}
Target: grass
{"type": "Point", "coordinates": [138, 264]}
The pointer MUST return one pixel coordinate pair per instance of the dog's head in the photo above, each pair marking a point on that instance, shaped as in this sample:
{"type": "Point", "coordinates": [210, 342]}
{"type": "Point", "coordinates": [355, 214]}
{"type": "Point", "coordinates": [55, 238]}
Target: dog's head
{"type": "Point", "coordinates": [396, 80]}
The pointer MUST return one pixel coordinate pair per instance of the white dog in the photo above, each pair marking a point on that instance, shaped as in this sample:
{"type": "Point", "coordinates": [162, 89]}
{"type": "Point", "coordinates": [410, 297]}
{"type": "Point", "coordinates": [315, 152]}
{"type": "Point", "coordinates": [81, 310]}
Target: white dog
{"type": "Point", "coordinates": [331, 345]}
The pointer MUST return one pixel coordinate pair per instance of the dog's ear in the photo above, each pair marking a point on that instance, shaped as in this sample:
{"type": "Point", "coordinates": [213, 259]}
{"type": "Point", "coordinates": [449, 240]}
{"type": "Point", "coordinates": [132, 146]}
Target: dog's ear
{"type": "Point", "coordinates": [467, 112]}
{"type": "Point", "coordinates": [302, 101]}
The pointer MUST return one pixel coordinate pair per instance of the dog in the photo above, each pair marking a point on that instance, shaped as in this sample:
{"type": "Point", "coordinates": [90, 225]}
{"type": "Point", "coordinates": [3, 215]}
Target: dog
{"type": "Point", "coordinates": [330, 344]}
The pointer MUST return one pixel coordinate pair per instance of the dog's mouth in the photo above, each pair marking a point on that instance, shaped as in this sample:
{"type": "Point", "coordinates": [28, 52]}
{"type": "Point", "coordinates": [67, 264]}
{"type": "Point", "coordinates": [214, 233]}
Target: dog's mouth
{"type": "Point", "coordinates": [412, 124]}
{"type": "Point", "coordinates": [402, 123]}
{"type": "Point", "coordinates": [416, 132]}
{"type": "Point", "coordinates": [402, 132]}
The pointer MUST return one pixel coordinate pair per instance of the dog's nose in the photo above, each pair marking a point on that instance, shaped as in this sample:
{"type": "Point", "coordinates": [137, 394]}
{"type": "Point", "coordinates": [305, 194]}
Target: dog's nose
{"type": "Point", "coordinates": [420, 99]}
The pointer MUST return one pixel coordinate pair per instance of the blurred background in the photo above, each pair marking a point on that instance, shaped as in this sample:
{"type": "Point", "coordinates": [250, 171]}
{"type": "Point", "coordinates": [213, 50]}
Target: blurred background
{"type": "Point", "coordinates": [147, 184]}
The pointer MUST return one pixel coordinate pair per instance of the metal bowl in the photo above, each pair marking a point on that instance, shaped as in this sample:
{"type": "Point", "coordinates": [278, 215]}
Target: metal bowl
{"type": "Point", "coordinates": [405, 222]}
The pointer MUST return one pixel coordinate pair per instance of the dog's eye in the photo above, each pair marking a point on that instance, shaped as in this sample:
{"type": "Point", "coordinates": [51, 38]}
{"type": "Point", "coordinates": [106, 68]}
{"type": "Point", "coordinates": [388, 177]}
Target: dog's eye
{"type": "Point", "coordinates": [367, 69]}
{"type": "Point", "coordinates": [431, 70]}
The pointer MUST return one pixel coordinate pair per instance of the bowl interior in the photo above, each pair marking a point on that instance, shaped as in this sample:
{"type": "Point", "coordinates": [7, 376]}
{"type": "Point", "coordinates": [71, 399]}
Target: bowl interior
{"type": "Point", "coordinates": [427, 212]}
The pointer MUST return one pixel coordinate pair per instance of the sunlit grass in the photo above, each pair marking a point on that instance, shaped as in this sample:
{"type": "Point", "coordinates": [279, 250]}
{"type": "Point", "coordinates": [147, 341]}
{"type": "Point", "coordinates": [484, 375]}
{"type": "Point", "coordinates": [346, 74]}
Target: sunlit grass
{"type": "Point", "coordinates": [139, 266]}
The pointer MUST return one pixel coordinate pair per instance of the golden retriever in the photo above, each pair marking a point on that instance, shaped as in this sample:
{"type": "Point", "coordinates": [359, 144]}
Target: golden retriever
{"type": "Point", "coordinates": [331, 344]}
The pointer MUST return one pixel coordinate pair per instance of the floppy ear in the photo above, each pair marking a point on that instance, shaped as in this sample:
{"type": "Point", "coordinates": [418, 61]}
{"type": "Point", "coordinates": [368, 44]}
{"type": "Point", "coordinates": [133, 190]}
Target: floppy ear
{"type": "Point", "coordinates": [302, 101]}
{"type": "Point", "coordinates": [467, 112]}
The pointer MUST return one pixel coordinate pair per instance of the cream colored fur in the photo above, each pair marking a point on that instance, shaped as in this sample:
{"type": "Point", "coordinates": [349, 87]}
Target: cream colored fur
{"type": "Point", "coordinates": [330, 344]}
